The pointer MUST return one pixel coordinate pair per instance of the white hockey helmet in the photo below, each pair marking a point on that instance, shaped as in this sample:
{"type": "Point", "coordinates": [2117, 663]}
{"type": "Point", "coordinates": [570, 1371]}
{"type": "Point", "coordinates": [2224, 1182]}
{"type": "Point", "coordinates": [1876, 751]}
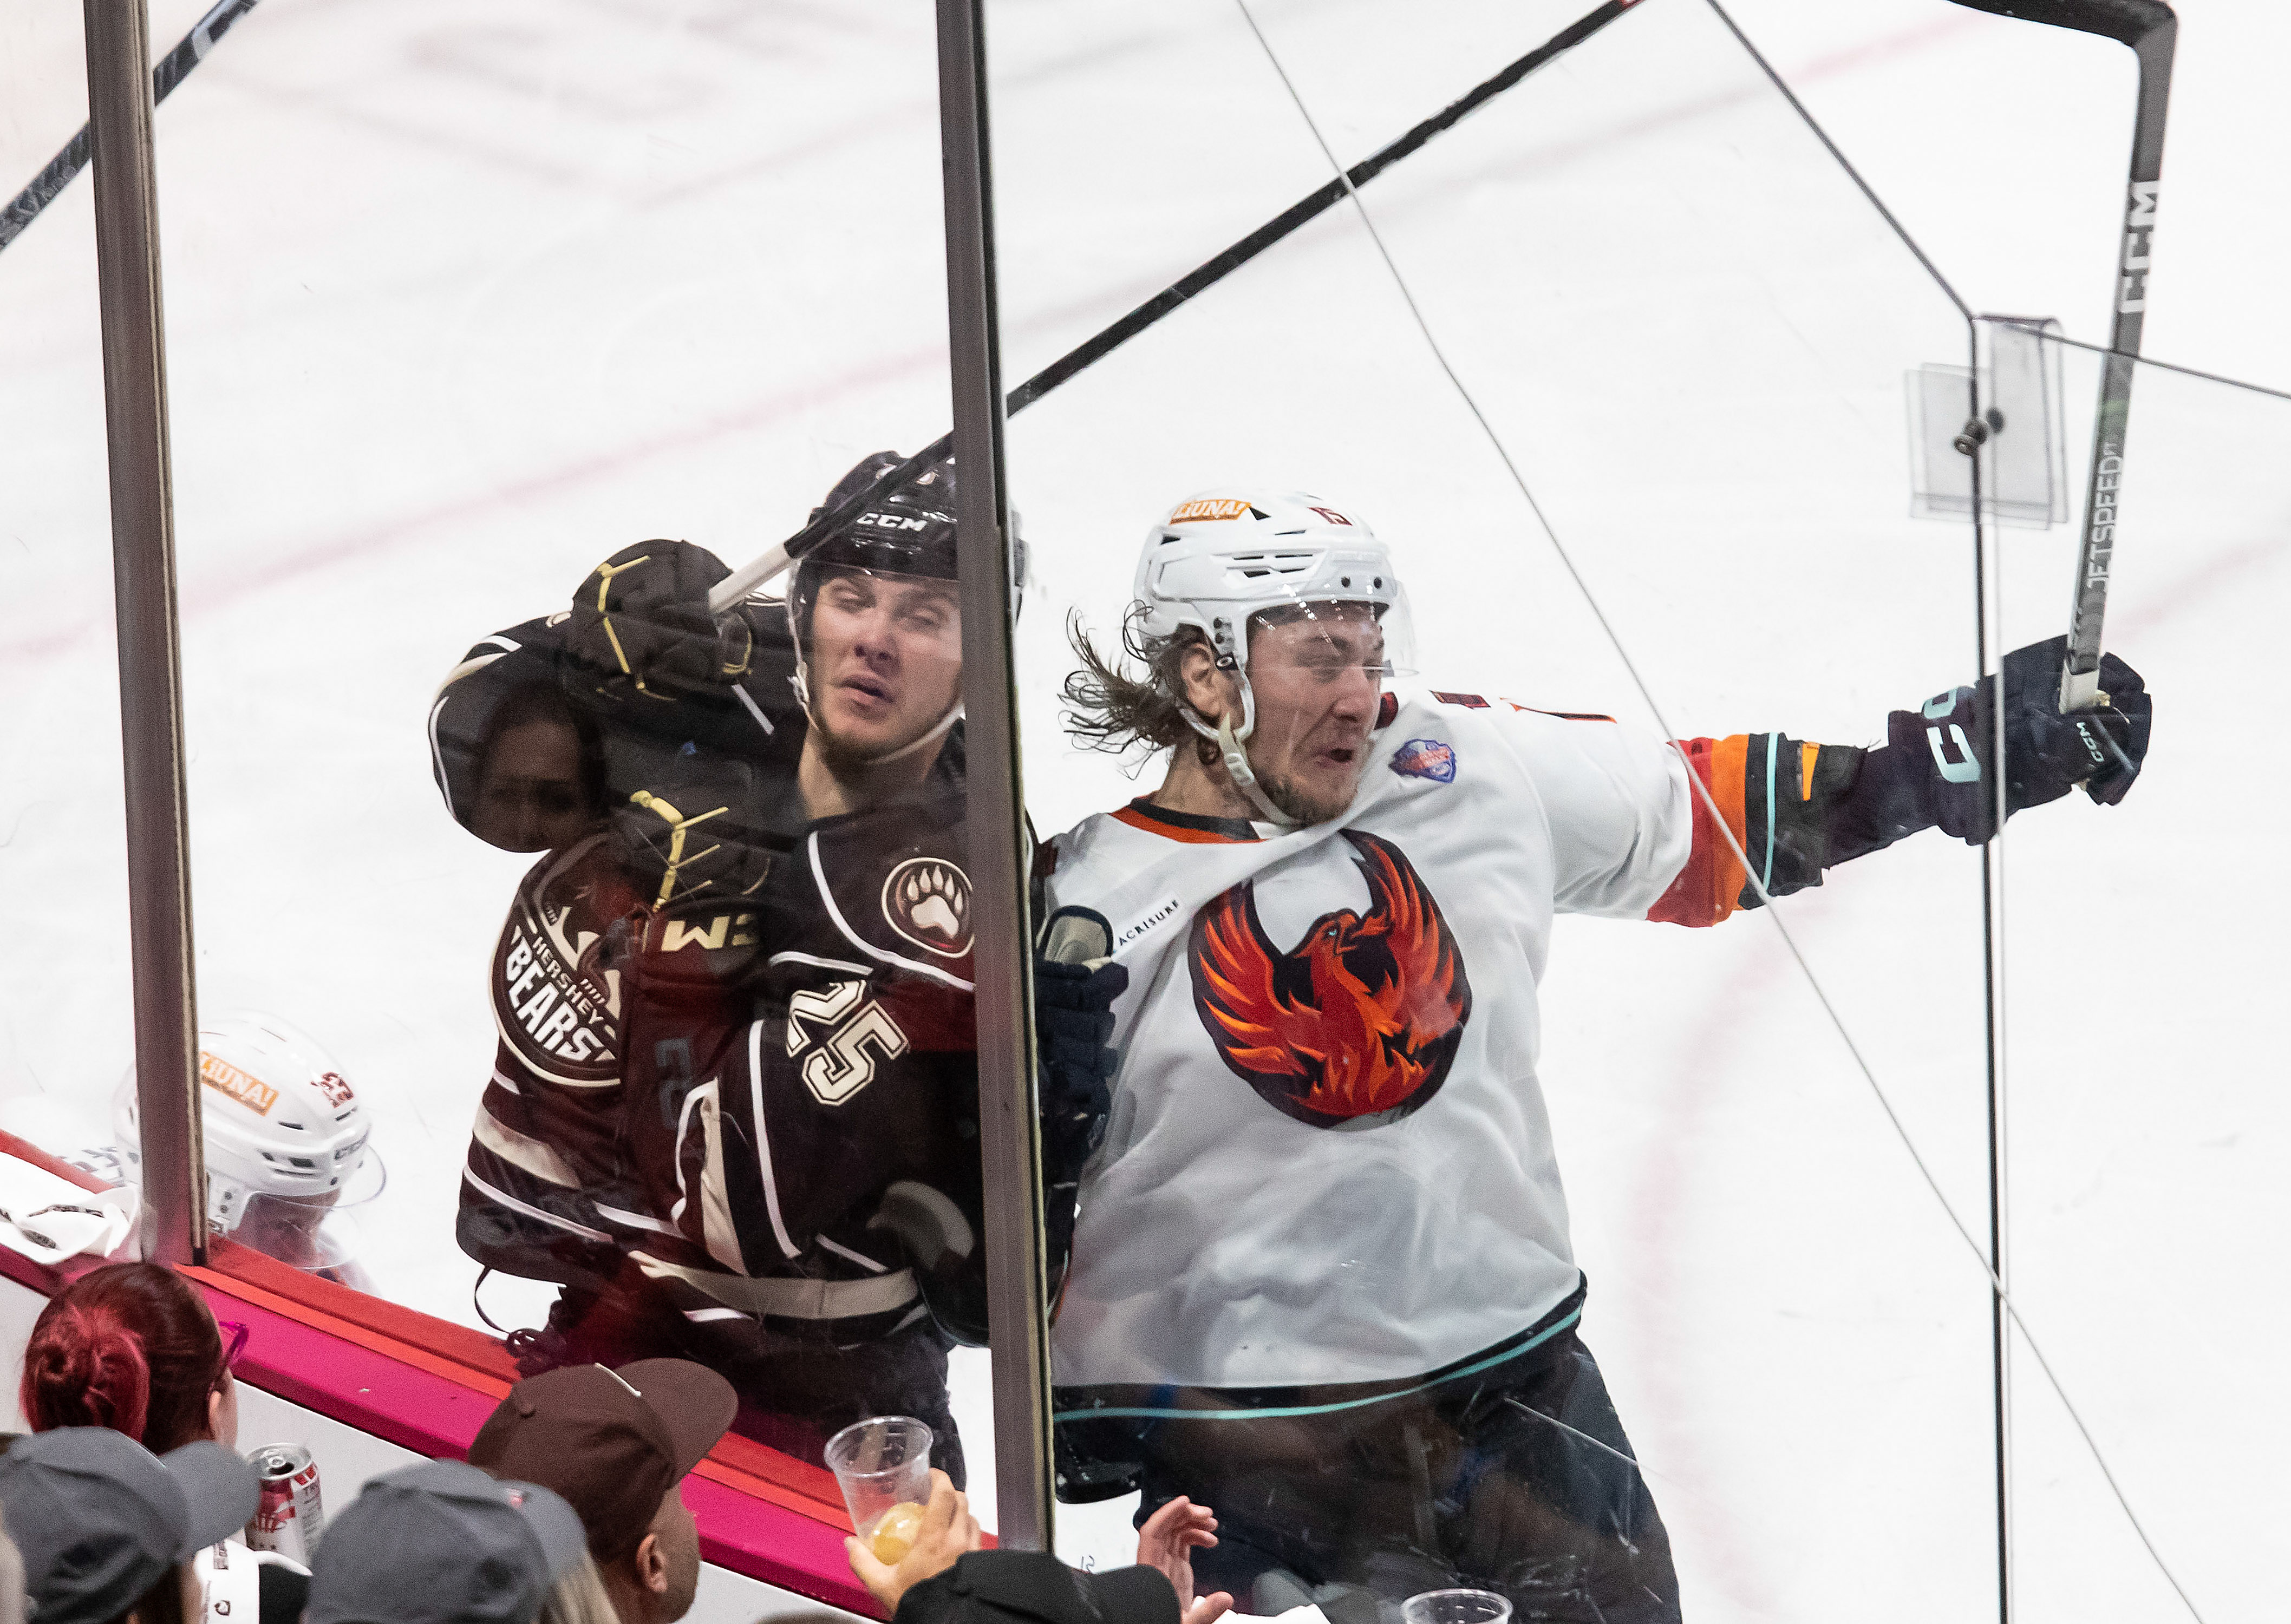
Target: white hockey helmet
{"type": "Point", "coordinates": [285, 1133]}
{"type": "Point", "coordinates": [1225, 556]}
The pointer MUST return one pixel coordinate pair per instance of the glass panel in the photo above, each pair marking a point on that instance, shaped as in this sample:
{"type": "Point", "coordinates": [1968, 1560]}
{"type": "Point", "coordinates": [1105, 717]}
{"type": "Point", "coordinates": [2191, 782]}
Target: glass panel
{"type": "Point", "coordinates": [461, 302]}
{"type": "Point", "coordinates": [2147, 1123]}
{"type": "Point", "coordinates": [67, 1026]}
{"type": "Point", "coordinates": [1324, 1278]}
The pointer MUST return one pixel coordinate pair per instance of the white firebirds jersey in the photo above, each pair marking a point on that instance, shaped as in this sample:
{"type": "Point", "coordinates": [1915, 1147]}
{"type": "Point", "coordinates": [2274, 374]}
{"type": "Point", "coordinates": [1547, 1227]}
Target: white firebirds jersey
{"type": "Point", "coordinates": [1328, 1158]}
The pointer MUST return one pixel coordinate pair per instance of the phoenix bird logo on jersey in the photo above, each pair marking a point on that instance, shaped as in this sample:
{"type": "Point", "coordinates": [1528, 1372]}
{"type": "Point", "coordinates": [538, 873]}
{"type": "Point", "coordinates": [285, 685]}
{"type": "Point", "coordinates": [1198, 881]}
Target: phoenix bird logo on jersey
{"type": "Point", "coordinates": [1357, 1024]}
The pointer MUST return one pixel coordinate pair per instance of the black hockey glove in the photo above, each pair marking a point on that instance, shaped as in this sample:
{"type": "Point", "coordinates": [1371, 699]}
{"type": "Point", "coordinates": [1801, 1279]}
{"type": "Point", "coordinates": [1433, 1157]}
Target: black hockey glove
{"type": "Point", "coordinates": [2046, 754]}
{"type": "Point", "coordinates": [1075, 984]}
{"type": "Point", "coordinates": [687, 822]}
{"type": "Point", "coordinates": [641, 628]}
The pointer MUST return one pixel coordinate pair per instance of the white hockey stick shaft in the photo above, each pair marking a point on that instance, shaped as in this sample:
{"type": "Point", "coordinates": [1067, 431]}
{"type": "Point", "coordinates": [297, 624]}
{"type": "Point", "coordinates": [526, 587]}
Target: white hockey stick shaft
{"type": "Point", "coordinates": [750, 577]}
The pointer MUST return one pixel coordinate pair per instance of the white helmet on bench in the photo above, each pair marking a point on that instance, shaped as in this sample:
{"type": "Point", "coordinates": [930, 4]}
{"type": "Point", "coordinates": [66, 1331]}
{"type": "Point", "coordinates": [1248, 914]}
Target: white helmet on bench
{"type": "Point", "coordinates": [281, 1125]}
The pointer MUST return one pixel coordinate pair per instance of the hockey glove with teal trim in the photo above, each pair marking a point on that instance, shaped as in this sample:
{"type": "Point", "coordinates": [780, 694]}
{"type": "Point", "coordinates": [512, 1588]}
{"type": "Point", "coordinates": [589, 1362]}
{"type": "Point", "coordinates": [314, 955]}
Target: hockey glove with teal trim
{"type": "Point", "coordinates": [1948, 743]}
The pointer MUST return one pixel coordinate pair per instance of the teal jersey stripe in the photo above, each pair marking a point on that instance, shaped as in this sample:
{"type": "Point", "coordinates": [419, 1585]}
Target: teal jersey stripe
{"type": "Point", "coordinates": [1292, 1412]}
{"type": "Point", "coordinates": [1774, 750]}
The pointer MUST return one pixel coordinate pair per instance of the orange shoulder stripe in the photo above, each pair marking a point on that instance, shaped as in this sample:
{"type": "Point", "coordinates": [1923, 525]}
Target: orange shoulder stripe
{"type": "Point", "coordinates": [1136, 820]}
{"type": "Point", "coordinates": [1709, 887]}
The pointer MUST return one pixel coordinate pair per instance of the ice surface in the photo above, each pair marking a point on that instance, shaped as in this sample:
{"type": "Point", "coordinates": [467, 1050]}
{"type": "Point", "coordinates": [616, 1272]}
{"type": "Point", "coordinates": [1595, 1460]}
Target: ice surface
{"type": "Point", "coordinates": [463, 294]}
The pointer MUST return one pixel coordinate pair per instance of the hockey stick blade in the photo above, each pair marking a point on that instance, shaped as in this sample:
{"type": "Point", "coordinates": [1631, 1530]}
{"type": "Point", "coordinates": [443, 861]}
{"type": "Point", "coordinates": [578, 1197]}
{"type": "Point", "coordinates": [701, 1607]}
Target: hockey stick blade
{"type": "Point", "coordinates": [2151, 30]}
{"type": "Point", "coordinates": [754, 574]}
{"type": "Point", "coordinates": [171, 70]}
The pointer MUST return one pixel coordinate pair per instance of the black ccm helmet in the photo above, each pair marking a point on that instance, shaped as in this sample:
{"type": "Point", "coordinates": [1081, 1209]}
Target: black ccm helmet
{"type": "Point", "coordinates": [908, 530]}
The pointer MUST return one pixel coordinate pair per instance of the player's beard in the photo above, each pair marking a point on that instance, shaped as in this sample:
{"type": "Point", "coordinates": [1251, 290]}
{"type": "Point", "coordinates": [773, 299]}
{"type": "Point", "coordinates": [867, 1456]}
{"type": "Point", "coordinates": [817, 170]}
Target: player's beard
{"type": "Point", "coordinates": [1305, 806]}
{"type": "Point", "coordinates": [846, 759]}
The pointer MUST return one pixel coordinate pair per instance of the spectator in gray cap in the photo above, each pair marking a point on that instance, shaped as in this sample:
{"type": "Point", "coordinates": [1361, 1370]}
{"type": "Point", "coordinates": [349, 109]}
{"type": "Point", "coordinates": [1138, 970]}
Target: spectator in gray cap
{"type": "Point", "coordinates": [12, 1580]}
{"type": "Point", "coordinates": [442, 1543]}
{"type": "Point", "coordinates": [106, 1529]}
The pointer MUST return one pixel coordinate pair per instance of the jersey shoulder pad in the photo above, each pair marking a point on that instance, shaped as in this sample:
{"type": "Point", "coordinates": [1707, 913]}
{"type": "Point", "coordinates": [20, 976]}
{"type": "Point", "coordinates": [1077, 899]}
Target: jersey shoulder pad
{"type": "Point", "coordinates": [535, 642]}
{"type": "Point", "coordinates": [895, 885]}
{"type": "Point", "coordinates": [499, 674]}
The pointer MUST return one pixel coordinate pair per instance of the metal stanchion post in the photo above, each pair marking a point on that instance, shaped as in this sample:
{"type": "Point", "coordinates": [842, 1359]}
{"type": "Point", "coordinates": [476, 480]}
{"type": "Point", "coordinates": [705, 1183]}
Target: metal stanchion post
{"type": "Point", "coordinates": [143, 585]}
{"type": "Point", "coordinates": [1011, 1145]}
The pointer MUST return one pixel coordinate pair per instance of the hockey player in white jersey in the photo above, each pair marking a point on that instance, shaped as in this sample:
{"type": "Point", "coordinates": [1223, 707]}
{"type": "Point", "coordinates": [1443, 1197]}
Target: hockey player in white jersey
{"type": "Point", "coordinates": [1321, 1276]}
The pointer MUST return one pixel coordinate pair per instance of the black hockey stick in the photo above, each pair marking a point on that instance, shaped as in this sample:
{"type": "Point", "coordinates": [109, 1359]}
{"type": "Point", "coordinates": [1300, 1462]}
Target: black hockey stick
{"type": "Point", "coordinates": [746, 580]}
{"type": "Point", "coordinates": [2150, 28]}
{"type": "Point", "coordinates": [171, 70]}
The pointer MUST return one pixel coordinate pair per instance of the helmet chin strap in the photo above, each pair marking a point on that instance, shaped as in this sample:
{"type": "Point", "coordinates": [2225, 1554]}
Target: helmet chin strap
{"type": "Point", "coordinates": [936, 733]}
{"type": "Point", "coordinates": [1232, 751]}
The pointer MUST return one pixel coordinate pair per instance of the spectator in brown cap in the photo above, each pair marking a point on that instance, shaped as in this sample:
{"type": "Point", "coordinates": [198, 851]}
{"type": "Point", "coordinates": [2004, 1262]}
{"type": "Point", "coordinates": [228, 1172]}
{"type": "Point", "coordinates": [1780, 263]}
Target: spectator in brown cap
{"type": "Point", "coordinates": [616, 1444]}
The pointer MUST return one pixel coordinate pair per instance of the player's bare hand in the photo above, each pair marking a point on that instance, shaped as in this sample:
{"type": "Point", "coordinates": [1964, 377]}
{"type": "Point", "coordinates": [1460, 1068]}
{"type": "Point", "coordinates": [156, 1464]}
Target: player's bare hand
{"type": "Point", "coordinates": [1168, 1541]}
{"type": "Point", "coordinates": [1208, 1609]}
{"type": "Point", "coordinates": [947, 1531]}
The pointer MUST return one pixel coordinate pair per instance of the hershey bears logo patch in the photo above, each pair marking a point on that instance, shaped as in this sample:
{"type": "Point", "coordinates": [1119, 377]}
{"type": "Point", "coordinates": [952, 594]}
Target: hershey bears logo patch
{"type": "Point", "coordinates": [927, 900]}
{"type": "Point", "coordinates": [1355, 1026]}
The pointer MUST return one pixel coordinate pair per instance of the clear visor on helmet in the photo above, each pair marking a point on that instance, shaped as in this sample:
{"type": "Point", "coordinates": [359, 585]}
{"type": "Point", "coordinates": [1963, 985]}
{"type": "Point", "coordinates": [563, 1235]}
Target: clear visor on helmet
{"type": "Point", "coordinates": [298, 1231]}
{"type": "Point", "coordinates": [1327, 640]}
{"type": "Point", "coordinates": [927, 607]}
{"type": "Point", "coordinates": [314, 1231]}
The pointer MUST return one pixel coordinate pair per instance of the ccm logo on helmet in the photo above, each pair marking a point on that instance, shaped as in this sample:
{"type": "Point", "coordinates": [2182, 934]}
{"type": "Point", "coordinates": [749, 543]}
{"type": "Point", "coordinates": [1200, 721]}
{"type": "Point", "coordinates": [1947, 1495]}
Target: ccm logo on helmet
{"type": "Point", "coordinates": [892, 520]}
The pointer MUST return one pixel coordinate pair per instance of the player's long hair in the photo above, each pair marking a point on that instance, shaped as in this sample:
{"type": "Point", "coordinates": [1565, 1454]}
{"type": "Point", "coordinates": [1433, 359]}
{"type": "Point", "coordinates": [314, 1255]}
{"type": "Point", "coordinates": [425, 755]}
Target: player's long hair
{"type": "Point", "coordinates": [1110, 709]}
{"type": "Point", "coordinates": [128, 1346]}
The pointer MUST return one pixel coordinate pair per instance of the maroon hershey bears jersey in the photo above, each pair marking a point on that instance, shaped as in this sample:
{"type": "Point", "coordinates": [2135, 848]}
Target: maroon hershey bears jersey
{"type": "Point", "coordinates": [544, 1162]}
{"type": "Point", "coordinates": [780, 1126]}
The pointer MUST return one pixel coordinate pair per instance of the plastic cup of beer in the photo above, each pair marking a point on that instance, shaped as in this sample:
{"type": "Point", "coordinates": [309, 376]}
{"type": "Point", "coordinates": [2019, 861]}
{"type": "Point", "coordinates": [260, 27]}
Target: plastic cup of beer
{"type": "Point", "coordinates": [1456, 1607]}
{"type": "Point", "coordinates": [882, 1465]}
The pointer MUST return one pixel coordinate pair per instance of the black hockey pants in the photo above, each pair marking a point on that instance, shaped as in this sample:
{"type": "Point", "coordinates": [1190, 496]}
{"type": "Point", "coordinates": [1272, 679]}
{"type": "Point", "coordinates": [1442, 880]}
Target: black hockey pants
{"type": "Point", "coordinates": [1518, 1479]}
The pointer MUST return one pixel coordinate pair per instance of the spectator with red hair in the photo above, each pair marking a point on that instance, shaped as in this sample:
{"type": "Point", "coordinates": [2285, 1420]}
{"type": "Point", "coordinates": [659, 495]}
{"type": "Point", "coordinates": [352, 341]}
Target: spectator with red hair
{"type": "Point", "coordinates": [135, 1347]}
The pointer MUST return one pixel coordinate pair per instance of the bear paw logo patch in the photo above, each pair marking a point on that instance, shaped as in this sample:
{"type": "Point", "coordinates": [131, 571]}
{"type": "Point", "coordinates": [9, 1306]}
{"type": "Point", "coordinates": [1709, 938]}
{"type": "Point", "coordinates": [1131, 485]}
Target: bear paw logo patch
{"type": "Point", "coordinates": [1426, 758]}
{"type": "Point", "coordinates": [927, 900]}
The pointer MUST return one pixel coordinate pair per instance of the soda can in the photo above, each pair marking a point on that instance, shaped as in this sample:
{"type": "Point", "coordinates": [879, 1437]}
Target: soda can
{"type": "Point", "coordinates": [289, 1516]}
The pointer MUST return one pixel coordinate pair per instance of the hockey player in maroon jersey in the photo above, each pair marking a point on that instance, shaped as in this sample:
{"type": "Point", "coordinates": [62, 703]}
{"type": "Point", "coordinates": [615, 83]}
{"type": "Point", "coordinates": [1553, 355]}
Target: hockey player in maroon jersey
{"type": "Point", "coordinates": [734, 1111]}
{"type": "Point", "coordinates": [1322, 1277]}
